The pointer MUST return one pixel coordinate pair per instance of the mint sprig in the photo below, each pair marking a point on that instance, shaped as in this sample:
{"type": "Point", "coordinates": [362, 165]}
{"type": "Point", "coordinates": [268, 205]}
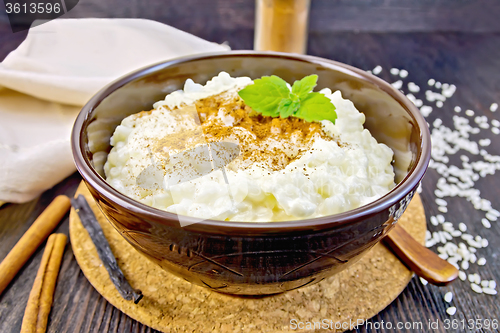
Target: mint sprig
{"type": "Point", "coordinates": [271, 96]}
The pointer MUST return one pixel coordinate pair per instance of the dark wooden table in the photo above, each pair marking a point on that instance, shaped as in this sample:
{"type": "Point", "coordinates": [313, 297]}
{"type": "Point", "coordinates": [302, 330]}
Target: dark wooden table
{"type": "Point", "coordinates": [471, 61]}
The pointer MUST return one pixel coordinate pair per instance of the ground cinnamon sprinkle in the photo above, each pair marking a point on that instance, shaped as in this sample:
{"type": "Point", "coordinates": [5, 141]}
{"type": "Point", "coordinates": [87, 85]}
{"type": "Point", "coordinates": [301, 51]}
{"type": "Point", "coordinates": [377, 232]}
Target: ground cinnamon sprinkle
{"type": "Point", "coordinates": [271, 142]}
{"type": "Point", "coordinates": [275, 142]}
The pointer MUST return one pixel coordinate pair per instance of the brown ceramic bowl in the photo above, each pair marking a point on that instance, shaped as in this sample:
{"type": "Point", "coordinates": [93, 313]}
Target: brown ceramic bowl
{"type": "Point", "coordinates": [241, 257]}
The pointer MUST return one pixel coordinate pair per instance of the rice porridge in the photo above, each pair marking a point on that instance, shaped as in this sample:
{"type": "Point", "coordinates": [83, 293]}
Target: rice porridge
{"type": "Point", "coordinates": [203, 152]}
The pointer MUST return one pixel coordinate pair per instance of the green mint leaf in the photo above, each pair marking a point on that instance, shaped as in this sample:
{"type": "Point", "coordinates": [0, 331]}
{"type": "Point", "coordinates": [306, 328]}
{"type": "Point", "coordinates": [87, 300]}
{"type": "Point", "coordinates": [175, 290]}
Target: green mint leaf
{"type": "Point", "coordinates": [271, 96]}
{"type": "Point", "coordinates": [288, 107]}
{"type": "Point", "coordinates": [316, 107]}
{"type": "Point", "coordinates": [265, 95]}
{"type": "Point", "coordinates": [303, 87]}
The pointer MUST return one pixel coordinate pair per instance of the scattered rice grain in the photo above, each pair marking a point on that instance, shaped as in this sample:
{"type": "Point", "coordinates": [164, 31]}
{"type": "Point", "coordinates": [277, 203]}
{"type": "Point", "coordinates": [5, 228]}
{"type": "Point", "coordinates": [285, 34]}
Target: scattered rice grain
{"type": "Point", "coordinates": [434, 221]}
{"type": "Point", "coordinates": [442, 238]}
{"type": "Point", "coordinates": [476, 288]}
{"type": "Point", "coordinates": [426, 110]}
{"type": "Point", "coordinates": [484, 142]}
{"type": "Point", "coordinates": [486, 223]}
{"type": "Point", "coordinates": [377, 70]}
{"type": "Point", "coordinates": [489, 291]}
{"type": "Point", "coordinates": [441, 202]}
{"type": "Point", "coordinates": [413, 87]}
{"type": "Point", "coordinates": [472, 258]}
{"type": "Point", "coordinates": [491, 217]}
{"type": "Point", "coordinates": [443, 209]}
{"type": "Point", "coordinates": [451, 310]}
{"type": "Point", "coordinates": [398, 84]}
{"type": "Point", "coordinates": [443, 256]}
{"type": "Point", "coordinates": [475, 244]}
{"type": "Point", "coordinates": [467, 237]}
{"type": "Point", "coordinates": [494, 212]}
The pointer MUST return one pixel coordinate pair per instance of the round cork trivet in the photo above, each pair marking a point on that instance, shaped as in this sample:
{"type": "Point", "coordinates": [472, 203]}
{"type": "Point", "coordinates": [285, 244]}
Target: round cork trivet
{"type": "Point", "coordinates": [171, 304]}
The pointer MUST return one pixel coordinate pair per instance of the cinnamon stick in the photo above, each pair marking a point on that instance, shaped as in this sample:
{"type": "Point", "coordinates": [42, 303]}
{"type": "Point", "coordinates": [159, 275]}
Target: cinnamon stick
{"type": "Point", "coordinates": [41, 295]}
{"type": "Point", "coordinates": [49, 282]}
{"type": "Point", "coordinates": [32, 239]}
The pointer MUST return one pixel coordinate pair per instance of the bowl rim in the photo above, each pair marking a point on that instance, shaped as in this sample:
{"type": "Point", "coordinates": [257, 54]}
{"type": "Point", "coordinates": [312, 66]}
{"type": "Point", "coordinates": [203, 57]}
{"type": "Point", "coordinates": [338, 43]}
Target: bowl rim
{"type": "Point", "coordinates": [409, 182]}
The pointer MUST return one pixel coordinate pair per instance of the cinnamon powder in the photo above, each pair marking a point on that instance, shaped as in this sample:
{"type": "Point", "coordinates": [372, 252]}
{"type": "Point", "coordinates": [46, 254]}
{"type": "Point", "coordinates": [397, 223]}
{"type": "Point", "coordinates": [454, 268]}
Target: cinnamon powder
{"type": "Point", "coordinates": [273, 142]}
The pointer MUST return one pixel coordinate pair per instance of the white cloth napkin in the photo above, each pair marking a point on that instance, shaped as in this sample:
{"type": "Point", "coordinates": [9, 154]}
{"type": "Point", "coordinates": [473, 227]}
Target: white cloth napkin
{"type": "Point", "coordinates": [53, 73]}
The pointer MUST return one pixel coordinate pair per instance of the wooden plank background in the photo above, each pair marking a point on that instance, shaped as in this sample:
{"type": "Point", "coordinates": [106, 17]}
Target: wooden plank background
{"type": "Point", "coordinates": [327, 15]}
{"type": "Point", "coordinates": [233, 20]}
